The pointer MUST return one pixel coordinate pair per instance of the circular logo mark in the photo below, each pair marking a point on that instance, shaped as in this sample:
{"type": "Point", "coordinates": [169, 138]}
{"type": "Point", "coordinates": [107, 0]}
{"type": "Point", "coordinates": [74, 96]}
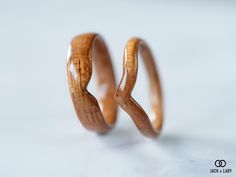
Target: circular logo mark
{"type": "Point", "coordinates": [220, 163]}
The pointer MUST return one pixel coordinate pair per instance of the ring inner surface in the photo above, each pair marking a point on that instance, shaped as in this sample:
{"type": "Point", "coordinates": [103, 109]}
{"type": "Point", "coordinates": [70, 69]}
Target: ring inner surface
{"type": "Point", "coordinates": [105, 80]}
{"type": "Point", "coordinates": [155, 95]}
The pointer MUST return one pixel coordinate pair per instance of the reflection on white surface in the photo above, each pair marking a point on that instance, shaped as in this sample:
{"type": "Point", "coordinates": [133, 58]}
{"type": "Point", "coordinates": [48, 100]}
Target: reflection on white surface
{"type": "Point", "coordinates": [102, 90]}
{"type": "Point", "coordinates": [152, 116]}
{"type": "Point", "coordinates": [40, 134]}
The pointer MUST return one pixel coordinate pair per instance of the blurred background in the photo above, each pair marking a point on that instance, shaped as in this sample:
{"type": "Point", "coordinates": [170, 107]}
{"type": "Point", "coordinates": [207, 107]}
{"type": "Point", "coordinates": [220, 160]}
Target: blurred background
{"type": "Point", "coordinates": [194, 43]}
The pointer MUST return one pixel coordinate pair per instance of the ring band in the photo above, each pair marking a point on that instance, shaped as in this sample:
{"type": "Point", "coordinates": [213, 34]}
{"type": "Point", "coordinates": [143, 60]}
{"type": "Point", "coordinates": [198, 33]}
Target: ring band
{"type": "Point", "coordinates": [99, 116]}
{"type": "Point", "coordinates": [126, 85]}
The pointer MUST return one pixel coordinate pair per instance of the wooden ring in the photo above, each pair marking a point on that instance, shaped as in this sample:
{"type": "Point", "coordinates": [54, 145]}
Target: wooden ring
{"type": "Point", "coordinates": [99, 116]}
{"type": "Point", "coordinates": [126, 85]}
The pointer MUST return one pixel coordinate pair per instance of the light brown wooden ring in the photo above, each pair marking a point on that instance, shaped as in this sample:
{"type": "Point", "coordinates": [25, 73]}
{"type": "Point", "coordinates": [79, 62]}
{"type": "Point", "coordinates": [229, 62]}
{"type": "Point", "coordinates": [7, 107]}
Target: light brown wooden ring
{"type": "Point", "coordinates": [126, 85]}
{"type": "Point", "coordinates": [99, 116]}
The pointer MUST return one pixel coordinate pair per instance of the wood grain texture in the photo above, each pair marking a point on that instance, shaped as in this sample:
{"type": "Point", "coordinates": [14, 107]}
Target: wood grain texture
{"type": "Point", "coordinates": [127, 83]}
{"type": "Point", "coordinates": [99, 116]}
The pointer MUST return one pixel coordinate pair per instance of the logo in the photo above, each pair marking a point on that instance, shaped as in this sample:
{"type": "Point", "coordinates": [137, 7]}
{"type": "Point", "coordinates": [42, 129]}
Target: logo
{"type": "Point", "coordinates": [221, 167]}
{"type": "Point", "coordinates": [220, 163]}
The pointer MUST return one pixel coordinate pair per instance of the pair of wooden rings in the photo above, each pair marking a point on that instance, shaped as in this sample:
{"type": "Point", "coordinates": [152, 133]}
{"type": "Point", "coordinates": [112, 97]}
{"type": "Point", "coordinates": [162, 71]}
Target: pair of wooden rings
{"type": "Point", "coordinates": [100, 115]}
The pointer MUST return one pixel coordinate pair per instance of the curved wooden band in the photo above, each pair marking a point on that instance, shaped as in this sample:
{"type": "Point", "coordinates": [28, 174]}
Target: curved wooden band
{"type": "Point", "coordinates": [83, 49]}
{"type": "Point", "coordinates": [126, 85]}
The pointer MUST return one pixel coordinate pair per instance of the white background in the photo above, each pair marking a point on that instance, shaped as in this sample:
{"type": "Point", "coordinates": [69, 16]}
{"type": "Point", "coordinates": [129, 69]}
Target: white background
{"type": "Point", "coordinates": [195, 44]}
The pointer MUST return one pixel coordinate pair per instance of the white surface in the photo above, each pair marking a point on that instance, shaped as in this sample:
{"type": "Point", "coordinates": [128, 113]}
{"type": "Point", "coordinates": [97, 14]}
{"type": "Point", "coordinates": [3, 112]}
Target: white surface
{"type": "Point", "coordinates": [195, 44]}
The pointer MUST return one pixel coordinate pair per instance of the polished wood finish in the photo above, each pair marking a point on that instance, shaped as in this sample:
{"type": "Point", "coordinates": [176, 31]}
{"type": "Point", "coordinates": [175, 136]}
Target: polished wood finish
{"type": "Point", "coordinates": [99, 116]}
{"type": "Point", "coordinates": [126, 85]}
